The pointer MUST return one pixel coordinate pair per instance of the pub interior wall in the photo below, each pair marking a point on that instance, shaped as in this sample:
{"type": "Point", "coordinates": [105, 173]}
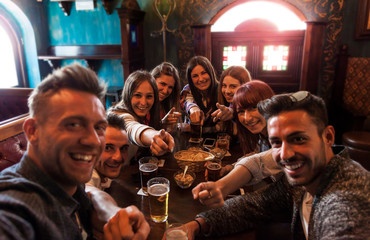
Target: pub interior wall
{"type": "Point", "coordinates": [96, 27]}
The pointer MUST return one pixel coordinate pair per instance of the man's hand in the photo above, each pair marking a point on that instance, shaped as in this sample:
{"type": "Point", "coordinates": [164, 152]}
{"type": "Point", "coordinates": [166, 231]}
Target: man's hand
{"type": "Point", "coordinates": [223, 113]}
{"type": "Point", "coordinates": [196, 115]}
{"type": "Point", "coordinates": [162, 143]}
{"type": "Point", "coordinates": [209, 194]}
{"type": "Point", "coordinates": [193, 229]}
{"type": "Point", "coordinates": [128, 223]}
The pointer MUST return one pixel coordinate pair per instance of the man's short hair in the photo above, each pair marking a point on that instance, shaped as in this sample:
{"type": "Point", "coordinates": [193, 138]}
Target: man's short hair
{"type": "Point", "coordinates": [74, 76]}
{"type": "Point", "coordinates": [302, 100]}
{"type": "Point", "coordinates": [116, 121]}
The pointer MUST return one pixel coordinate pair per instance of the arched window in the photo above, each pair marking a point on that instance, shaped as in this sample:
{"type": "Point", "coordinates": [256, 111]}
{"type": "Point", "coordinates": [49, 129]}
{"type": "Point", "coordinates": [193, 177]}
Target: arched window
{"type": "Point", "coordinates": [18, 48]}
{"type": "Point", "coordinates": [263, 36]}
{"type": "Point", "coordinates": [11, 73]}
{"type": "Point", "coordinates": [279, 15]}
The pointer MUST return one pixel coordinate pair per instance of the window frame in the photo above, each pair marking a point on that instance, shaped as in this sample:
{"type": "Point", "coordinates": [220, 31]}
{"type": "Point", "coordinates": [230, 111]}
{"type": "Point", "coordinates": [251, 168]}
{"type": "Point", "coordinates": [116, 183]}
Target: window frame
{"type": "Point", "coordinates": [280, 81]}
{"type": "Point", "coordinates": [18, 51]}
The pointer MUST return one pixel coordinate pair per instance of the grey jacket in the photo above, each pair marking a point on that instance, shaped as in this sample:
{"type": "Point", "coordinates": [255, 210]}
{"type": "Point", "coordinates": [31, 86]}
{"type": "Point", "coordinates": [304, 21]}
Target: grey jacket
{"type": "Point", "coordinates": [340, 209]}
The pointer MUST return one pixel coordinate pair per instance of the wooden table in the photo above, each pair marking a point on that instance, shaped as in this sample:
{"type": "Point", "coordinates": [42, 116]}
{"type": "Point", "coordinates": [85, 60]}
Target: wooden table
{"type": "Point", "coordinates": [182, 206]}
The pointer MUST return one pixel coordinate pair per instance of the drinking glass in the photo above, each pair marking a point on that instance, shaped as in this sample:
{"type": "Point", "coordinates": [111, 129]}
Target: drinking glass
{"type": "Point", "coordinates": [223, 140]}
{"type": "Point", "coordinates": [177, 231]}
{"type": "Point", "coordinates": [196, 132]}
{"type": "Point", "coordinates": [213, 169]}
{"type": "Point", "coordinates": [158, 189]}
{"type": "Point", "coordinates": [148, 167]}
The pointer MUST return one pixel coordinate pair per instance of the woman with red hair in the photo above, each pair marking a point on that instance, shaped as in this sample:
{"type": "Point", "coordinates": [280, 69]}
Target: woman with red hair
{"type": "Point", "coordinates": [257, 164]}
{"type": "Point", "coordinates": [251, 125]}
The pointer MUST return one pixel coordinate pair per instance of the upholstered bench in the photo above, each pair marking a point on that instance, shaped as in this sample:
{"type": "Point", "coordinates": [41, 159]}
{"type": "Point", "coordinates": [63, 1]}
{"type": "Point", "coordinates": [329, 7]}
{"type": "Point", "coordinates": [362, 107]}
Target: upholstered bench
{"type": "Point", "coordinates": [358, 144]}
{"type": "Point", "coordinates": [13, 142]}
{"type": "Point", "coordinates": [352, 105]}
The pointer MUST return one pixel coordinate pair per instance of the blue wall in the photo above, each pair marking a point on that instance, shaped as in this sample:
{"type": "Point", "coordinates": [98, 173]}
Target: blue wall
{"type": "Point", "coordinates": [92, 28]}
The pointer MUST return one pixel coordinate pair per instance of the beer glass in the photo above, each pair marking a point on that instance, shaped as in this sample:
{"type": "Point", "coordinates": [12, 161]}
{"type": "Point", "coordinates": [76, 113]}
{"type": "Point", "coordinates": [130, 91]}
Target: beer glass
{"type": "Point", "coordinates": [213, 170]}
{"type": "Point", "coordinates": [196, 132]}
{"type": "Point", "coordinates": [177, 231]}
{"type": "Point", "coordinates": [158, 189]}
{"type": "Point", "coordinates": [148, 167]}
{"type": "Point", "coordinates": [223, 140]}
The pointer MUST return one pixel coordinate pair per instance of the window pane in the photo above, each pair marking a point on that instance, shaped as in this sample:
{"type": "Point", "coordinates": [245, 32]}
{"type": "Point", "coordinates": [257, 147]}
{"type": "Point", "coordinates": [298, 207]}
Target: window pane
{"type": "Point", "coordinates": [275, 58]}
{"type": "Point", "coordinates": [283, 17]}
{"type": "Point", "coordinates": [234, 56]}
{"type": "Point", "coordinates": [8, 76]}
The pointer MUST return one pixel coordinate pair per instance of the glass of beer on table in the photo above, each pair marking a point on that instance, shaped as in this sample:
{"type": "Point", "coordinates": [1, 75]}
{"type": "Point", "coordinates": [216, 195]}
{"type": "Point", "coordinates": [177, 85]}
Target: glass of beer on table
{"type": "Point", "coordinates": [223, 141]}
{"type": "Point", "coordinates": [148, 167]}
{"type": "Point", "coordinates": [158, 189]}
{"type": "Point", "coordinates": [213, 169]}
{"type": "Point", "coordinates": [177, 231]}
{"type": "Point", "coordinates": [196, 132]}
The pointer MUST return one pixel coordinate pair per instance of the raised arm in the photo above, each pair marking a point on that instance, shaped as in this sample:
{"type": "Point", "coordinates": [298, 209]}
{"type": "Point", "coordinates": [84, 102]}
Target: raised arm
{"type": "Point", "coordinates": [213, 194]}
{"type": "Point", "coordinates": [249, 170]}
{"type": "Point", "coordinates": [115, 222]}
{"type": "Point", "coordinates": [160, 142]}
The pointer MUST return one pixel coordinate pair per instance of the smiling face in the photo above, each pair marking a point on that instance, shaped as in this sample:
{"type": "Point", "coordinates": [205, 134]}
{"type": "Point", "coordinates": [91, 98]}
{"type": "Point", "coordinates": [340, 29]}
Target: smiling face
{"type": "Point", "coordinates": [165, 86]}
{"type": "Point", "coordinates": [142, 99]}
{"type": "Point", "coordinates": [251, 119]}
{"type": "Point", "coordinates": [298, 148]}
{"type": "Point", "coordinates": [115, 153]}
{"type": "Point", "coordinates": [200, 78]}
{"type": "Point", "coordinates": [229, 87]}
{"type": "Point", "coordinates": [67, 144]}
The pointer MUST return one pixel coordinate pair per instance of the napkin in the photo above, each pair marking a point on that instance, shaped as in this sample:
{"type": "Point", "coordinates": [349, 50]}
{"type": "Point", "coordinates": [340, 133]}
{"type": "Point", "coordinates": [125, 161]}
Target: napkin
{"type": "Point", "coordinates": [142, 193]}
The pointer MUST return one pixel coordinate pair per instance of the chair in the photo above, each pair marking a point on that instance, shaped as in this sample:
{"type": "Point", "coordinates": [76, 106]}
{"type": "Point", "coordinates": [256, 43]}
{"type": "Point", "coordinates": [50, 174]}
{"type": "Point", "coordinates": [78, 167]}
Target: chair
{"type": "Point", "coordinates": [350, 108]}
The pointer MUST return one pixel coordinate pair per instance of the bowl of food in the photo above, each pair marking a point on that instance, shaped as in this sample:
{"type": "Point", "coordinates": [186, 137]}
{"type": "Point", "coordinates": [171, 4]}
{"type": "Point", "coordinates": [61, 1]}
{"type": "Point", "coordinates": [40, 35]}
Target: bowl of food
{"type": "Point", "coordinates": [195, 159]}
{"type": "Point", "coordinates": [184, 181]}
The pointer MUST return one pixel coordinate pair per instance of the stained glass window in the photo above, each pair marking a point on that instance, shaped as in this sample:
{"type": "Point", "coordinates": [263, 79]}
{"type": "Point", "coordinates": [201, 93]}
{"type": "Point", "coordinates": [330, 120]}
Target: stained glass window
{"type": "Point", "coordinates": [275, 57]}
{"type": "Point", "coordinates": [234, 56]}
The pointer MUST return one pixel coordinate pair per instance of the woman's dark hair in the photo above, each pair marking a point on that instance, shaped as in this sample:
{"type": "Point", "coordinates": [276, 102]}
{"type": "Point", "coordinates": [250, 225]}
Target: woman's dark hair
{"type": "Point", "coordinates": [132, 82]}
{"type": "Point", "coordinates": [302, 100]}
{"type": "Point", "coordinates": [248, 96]}
{"type": "Point", "coordinates": [212, 90]}
{"type": "Point", "coordinates": [168, 69]}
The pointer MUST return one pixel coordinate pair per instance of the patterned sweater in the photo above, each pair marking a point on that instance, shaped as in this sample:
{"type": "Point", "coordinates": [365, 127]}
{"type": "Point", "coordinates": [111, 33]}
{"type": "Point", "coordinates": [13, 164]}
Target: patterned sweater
{"type": "Point", "coordinates": [340, 209]}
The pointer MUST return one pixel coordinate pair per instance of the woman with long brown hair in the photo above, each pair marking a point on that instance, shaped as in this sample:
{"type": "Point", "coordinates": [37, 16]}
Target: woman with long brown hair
{"type": "Point", "coordinates": [230, 81]}
{"type": "Point", "coordinates": [168, 84]}
{"type": "Point", "coordinates": [139, 108]}
{"type": "Point", "coordinates": [198, 99]}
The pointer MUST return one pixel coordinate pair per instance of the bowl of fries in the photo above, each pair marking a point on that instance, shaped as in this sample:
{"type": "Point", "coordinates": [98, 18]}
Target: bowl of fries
{"type": "Point", "coordinates": [195, 159]}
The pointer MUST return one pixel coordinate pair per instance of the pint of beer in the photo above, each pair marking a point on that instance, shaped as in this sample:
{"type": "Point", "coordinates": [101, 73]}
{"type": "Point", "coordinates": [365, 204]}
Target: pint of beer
{"type": "Point", "coordinates": [158, 189]}
{"type": "Point", "coordinates": [196, 131]}
{"type": "Point", "coordinates": [148, 167]}
{"type": "Point", "coordinates": [223, 141]}
{"type": "Point", "coordinates": [177, 231]}
{"type": "Point", "coordinates": [213, 170]}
